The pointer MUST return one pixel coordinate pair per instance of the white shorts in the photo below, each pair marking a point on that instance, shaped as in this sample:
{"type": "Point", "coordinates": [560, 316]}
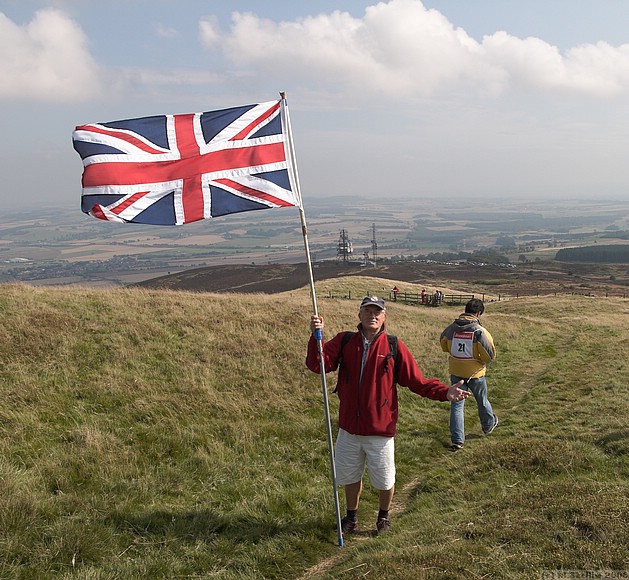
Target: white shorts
{"type": "Point", "coordinates": [353, 451]}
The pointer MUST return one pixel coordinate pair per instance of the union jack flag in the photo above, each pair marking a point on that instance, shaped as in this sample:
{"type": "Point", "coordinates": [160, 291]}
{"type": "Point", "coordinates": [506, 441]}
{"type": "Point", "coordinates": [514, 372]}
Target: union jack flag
{"type": "Point", "coordinates": [177, 169]}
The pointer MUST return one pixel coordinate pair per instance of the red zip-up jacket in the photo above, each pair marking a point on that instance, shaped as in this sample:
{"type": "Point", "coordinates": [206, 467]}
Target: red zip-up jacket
{"type": "Point", "coordinates": [369, 406]}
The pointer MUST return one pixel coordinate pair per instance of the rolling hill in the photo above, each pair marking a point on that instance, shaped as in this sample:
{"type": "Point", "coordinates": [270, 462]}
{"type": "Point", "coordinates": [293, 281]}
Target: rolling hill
{"type": "Point", "coordinates": [531, 279]}
{"type": "Point", "coordinates": [150, 433]}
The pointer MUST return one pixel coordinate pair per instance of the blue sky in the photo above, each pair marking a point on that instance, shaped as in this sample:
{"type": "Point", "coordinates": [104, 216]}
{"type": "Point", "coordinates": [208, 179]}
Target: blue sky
{"type": "Point", "coordinates": [440, 98]}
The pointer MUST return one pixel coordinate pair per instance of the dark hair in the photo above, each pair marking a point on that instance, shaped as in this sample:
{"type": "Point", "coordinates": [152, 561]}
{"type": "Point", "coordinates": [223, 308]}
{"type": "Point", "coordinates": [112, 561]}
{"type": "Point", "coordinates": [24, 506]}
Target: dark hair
{"type": "Point", "coordinates": [474, 306]}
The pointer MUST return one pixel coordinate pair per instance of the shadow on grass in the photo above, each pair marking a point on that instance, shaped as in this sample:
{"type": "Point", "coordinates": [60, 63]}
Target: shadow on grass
{"type": "Point", "coordinates": [205, 524]}
{"type": "Point", "coordinates": [616, 443]}
{"type": "Point", "coordinates": [473, 436]}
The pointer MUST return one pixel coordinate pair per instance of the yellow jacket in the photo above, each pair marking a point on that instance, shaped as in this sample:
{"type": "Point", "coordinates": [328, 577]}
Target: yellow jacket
{"type": "Point", "coordinates": [469, 345]}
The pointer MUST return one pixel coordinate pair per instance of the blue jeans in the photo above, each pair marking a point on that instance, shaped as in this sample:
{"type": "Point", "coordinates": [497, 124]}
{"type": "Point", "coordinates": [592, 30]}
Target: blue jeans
{"type": "Point", "coordinates": [457, 410]}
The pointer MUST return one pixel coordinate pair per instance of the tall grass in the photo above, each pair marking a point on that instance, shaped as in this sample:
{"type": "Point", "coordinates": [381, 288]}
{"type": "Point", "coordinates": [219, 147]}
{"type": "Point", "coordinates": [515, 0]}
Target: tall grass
{"type": "Point", "coordinates": [169, 434]}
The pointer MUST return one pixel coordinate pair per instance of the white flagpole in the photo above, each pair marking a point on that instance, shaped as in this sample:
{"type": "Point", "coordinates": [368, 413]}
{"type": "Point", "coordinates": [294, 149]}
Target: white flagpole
{"type": "Point", "coordinates": [318, 334]}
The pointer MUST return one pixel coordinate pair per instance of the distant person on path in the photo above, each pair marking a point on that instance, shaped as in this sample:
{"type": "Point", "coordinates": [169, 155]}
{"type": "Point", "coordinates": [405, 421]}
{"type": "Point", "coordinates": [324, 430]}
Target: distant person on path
{"type": "Point", "coordinates": [471, 348]}
{"type": "Point", "coordinates": [368, 412]}
{"type": "Point", "coordinates": [423, 295]}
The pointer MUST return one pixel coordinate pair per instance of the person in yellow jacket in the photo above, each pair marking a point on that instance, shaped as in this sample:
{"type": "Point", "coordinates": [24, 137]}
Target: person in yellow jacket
{"type": "Point", "coordinates": [471, 348]}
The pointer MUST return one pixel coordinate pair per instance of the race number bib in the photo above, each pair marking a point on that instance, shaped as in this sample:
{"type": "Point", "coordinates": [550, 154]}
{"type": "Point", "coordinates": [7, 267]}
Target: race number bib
{"type": "Point", "coordinates": [463, 345]}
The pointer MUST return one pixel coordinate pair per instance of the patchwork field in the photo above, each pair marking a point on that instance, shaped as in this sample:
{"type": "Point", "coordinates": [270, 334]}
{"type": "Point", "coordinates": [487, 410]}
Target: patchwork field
{"type": "Point", "coordinates": [65, 246]}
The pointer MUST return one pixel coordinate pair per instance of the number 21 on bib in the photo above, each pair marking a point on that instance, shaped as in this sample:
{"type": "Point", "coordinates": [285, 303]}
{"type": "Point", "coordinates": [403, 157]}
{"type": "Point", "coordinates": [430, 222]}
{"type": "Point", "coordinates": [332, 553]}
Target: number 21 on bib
{"type": "Point", "coordinates": [462, 345]}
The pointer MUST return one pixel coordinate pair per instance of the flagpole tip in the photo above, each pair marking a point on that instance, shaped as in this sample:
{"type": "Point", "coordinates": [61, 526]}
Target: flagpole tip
{"type": "Point", "coordinates": [283, 94]}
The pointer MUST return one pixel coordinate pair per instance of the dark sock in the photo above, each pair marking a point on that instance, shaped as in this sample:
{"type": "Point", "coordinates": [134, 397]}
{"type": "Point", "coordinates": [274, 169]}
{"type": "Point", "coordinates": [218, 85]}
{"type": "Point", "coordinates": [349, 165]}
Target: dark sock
{"type": "Point", "coordinates": [352, 515]}
{"type": "Point", "coordinates": [383, 514]}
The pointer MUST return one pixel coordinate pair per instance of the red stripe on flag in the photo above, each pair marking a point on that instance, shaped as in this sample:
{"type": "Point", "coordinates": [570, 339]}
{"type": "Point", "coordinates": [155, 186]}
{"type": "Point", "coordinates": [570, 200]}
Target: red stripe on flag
{"type": "Point", "coordinates": [129, 201]}
{"type": "Point", "coordinates": [192, 194]}
{"type": "Point", "coordinates": [256, 193]}
{"type": "Point", "coordinates": [97, 212]}
{"type": "Point", "coordinates": [245, 132]}
{"type": "Point", "coordinates": [122, 136]}
{"type": "Point", "coordinates": [121, 173]}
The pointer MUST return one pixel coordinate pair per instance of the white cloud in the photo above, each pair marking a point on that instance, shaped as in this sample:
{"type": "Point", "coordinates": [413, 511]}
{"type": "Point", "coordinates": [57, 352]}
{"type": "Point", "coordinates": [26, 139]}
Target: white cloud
{"type": "Point", "coordinates": [209, 31]}
{"type": "Point", "coordinates": [134, 77]}
{"type": "Point", "coordinates": [599, 67]}
{"type": "Point", "coordinates": [46, 60]}
{"type": "Point", "coordinates": [599, 70]}
{"type": "Point", "coordinates": [164, 31]}
{"type": "Point", "coordinates": [400, 47]}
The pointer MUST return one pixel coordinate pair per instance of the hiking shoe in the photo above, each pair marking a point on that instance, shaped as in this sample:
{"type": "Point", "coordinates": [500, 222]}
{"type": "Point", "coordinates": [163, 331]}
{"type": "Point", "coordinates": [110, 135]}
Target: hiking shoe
{"type": "Point", "coordinates": [348, 526]}
{"type": "Point", "coordinates": [493, 426]}
{"type": "Point", "coordinates": [383, 525]}
{"type": "Point", "coordinates": [456, 446]}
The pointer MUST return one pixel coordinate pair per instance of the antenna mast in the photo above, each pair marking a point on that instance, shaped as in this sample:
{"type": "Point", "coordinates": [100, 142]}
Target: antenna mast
{"type": "Point", "coordinates": [344, 248]}
{"type": "Point", "coordinates": [374, 245]}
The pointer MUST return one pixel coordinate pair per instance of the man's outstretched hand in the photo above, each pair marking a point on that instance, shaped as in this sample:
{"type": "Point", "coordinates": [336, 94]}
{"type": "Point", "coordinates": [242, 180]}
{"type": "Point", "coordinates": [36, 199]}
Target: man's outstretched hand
{"type": "Point", "coordinates": [455, 393]}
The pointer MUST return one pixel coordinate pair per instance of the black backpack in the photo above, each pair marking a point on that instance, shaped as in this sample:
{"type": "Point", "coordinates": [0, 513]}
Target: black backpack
{"type": "Point", "coordinates": [393, 354]}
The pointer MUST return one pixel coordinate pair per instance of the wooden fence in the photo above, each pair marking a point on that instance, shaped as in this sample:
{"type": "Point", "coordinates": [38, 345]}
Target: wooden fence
{"type": "Point", "coordinates": [416, 298]}
{"type": "Point", "coordinates": [435, 299]}
{"type": "Point", "coordinates": [413, 298]}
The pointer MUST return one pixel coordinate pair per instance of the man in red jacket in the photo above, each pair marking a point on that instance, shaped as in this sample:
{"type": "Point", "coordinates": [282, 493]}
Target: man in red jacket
{"type": "Point", "coordinates": [368, 408]}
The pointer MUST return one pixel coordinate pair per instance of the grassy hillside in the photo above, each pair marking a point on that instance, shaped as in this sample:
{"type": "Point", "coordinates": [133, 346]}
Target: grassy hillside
{"type": "Point", "coordinates": [156, 434]}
